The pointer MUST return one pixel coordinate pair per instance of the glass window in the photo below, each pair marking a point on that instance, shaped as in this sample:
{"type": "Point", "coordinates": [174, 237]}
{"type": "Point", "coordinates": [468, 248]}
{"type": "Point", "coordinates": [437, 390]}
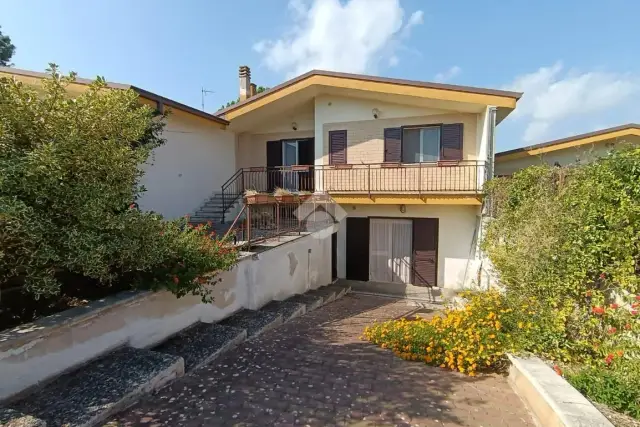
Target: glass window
{"type": "Point", "coordinates": [421, 144]}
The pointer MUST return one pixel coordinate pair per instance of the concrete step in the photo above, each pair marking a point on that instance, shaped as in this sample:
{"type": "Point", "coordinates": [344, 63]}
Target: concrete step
{"type": "Point", "coordinates": [340, 290]}
{"type": "Point", "coordinates": [201, 343]}
{"type": "Point", "coordinates": [254, 321]}
{"type": "Point", "coordinates": [327, 295]}
{"type": "Point", "coordinates": [99, 389]}
{"type": "Point", "coordinates": [397, 290]}
{"type": "Point", "coordinates": [287, 309]}
{"type": "Point", "coordinates": [311, 302]}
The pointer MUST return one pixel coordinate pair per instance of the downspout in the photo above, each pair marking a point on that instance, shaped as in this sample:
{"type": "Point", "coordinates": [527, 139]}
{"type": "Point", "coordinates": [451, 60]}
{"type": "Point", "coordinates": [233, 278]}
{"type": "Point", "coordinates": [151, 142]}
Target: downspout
{"type": "Point", "coordinates": [486, 208]}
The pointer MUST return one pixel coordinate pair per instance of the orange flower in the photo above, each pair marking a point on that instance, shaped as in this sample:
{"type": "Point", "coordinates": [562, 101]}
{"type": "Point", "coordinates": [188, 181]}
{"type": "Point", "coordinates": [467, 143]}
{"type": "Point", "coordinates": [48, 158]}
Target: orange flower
{"type": "Point", "coordinates": [609, 359]}
{"type": "Point", "coordinates": [619, 353]}
{"type": "Point", "coordinates": [614, 306]}
{"type": "Point", "coordinates": [627, 326]}
{"type": "Point", "coordinates": [597, 310]}
{"type": "Point", "coordinates": [588, 293]}
{"type": "Point", "coordinates": [612, 330]}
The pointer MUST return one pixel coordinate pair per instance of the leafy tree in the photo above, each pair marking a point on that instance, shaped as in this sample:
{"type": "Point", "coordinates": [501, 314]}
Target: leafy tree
{"type": "Point", "coordinates": [6, 50]}
{"type": "Point", "coordinates": [70, 171]}
{"type": "Point", "coordinates": [230, 103]}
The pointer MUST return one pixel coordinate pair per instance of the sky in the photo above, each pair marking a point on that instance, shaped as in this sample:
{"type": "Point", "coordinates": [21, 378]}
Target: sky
{"type": "Point", "coordinates": [577, 62]}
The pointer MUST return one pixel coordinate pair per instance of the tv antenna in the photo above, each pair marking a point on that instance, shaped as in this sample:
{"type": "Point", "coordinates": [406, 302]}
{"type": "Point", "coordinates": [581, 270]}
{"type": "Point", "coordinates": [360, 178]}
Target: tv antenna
{"type": "Point", "coordinates": [204, 93]}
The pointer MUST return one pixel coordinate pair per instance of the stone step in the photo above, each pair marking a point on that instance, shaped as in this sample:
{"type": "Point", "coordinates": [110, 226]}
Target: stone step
{"type": "Point", "coordinates": [99, 389]}
{"type": "Point", "coordinates": [255, 322]}
{"type": "Point", "coordinates": [201, 343]}
{"type": "Point", "coordinates": [327, 295]}
{"type": "Point", "coordinates": [311, 302]}
{"type": "Point", "coordinates": [287, 309]}
{"type": "Point", "coordinates": [340, 290]}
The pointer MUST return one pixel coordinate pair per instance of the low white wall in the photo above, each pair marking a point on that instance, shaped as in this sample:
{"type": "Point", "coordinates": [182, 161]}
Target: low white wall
{"type": "Point", "coordinates": [457, 263]}
{"type": "Point", "coordinates": [36, 352]}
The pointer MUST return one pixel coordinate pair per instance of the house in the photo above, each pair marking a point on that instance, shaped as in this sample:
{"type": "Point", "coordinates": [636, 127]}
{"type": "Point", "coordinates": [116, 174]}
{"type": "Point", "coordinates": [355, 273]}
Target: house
{"type": "Point", "coordinates": [405, 160]}
{"type": "Point", "coordinates": [570, 150]}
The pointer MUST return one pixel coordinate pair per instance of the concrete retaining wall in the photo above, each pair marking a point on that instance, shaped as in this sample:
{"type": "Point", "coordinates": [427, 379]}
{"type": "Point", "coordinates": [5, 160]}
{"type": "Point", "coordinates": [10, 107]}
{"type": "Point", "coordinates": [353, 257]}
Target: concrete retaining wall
{"type": "Point", "coordinates": [33, 353]}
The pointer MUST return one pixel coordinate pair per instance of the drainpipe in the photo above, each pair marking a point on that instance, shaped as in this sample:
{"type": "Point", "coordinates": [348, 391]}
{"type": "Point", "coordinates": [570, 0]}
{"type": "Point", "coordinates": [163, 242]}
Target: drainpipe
{"type": "Point", "coordinates": [486, 210]}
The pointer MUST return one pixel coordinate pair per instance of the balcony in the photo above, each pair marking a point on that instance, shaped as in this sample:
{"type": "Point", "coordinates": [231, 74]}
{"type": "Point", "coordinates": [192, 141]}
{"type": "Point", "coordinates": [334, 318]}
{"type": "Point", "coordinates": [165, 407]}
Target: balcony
{"type": "Point", "coordinates": [420, 179]}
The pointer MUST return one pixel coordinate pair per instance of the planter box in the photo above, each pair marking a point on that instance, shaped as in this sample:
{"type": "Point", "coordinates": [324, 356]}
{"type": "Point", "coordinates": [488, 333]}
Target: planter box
{"type": "Point", "coordinates": [288, 198]}
{"type": "Point", "coordinates": [257, 199]}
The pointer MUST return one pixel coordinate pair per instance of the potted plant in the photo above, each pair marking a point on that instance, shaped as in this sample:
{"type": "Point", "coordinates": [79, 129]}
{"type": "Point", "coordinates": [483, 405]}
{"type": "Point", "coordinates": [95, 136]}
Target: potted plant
{"type": "Point", "coordinates": [253, 196]}
{"type": "Point", "coordinates": [284, 196]}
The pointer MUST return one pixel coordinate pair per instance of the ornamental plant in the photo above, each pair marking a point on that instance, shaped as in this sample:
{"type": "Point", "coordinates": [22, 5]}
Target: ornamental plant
{"type": "Point", "coordinates": [467, 340]}
{"type": "Point", "coordinates": [70, 171]}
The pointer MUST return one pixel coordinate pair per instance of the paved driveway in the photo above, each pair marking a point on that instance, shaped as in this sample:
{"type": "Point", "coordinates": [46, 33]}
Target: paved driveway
{"type": "Point", "coordinates": [316, 371]}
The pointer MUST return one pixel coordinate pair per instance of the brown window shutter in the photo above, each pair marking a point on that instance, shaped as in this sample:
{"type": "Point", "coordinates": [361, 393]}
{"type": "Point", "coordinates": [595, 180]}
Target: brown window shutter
{"type": "Point", "coordinates": [393, 145]}
{"type": "Point", "coordinates": [425, 251]}
{"type": "Point", "coordinates": [451, 141]}
{"type": "Point", "coordinates": [337, 147]}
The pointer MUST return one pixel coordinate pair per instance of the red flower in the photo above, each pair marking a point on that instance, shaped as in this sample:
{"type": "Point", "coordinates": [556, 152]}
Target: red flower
{"type": "Point", "coordinates": [557, 369]}
{"type": "Point", "coordinates": [634, 312]}
{"type": "Point", "coordinates": [132, 206]}
{"type": "Point", "coordinates": [176, 279]}
{"type": "Point", "coordinates": [637, 297]}
{"type": "Point", "coordinates": [609, 359]}
{"type": "Point", "coordinates": [612, 330]}
{"type": "Point", "coordinates": [603, 276]}
{"type": "Point", "coordinates": [597, 310]}
{"type": "Point", "coordinates": [635, 305]}
{"type": "Point", "coordinates": [614, 306]}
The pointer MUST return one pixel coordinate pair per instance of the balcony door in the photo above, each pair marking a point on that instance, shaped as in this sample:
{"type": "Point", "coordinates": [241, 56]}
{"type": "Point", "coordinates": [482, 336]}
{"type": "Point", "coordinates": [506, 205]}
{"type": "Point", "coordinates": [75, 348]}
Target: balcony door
{"type": "Point", "coordinates": [282, 155]}
{"type": "Point", "coordinates": [390, 254]}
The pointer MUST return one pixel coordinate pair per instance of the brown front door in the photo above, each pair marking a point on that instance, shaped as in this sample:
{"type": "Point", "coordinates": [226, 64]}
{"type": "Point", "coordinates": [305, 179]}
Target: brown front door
{"type": "Point", "coordinates": [425, 251]}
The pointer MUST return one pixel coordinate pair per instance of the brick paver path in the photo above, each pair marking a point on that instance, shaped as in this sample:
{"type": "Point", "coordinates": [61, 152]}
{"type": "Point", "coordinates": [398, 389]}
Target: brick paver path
{"type": "Point", "coordinates": [316, 371]}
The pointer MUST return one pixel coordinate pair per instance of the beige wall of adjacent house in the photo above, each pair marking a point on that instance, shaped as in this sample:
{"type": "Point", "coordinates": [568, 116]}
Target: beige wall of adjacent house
{"type": "Point", "coordinates": [196, 160]}
{"type": "Point", "coordinates": [578, 154]}
{"type": "Point", "coordinates": [458, 227]}
{"type": "Point", "coordinates": [365, 135]}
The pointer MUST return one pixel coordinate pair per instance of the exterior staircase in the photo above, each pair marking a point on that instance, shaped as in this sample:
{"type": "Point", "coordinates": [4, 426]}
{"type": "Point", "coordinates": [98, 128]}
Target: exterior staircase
{"type": "Point", "coordinates": [213, 209]}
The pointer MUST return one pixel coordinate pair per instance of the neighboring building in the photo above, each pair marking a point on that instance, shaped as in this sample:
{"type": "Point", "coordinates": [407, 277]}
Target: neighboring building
{"type": "Point", "coordinates": [574, 149]}
{"type": "Point", "coordinates": [198, 157]}
{"type": "Point", "coordinates": [406, 160]}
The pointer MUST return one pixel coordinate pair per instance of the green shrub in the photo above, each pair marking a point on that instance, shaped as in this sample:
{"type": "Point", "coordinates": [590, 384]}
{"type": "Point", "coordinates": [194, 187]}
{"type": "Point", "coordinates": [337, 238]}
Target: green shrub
{"type": "Point", "coordinates": [617, 387]}
{"type": "Point", "coordinates": [70, 170]}
{"type": "Point", "coordinates": [569, 237]}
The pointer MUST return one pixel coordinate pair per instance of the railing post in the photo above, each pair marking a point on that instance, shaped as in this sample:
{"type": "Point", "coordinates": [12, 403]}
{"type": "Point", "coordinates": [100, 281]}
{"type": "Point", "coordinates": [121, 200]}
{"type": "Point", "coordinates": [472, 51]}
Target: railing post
{"type": "Point", "coordinates": [249, 220]}
{"type": "Point", "coordinates": [242, 182]}
{"type": "Point", "coordinates": [369, 179]}
{"type": "Point", "coordinates": [420, 180]}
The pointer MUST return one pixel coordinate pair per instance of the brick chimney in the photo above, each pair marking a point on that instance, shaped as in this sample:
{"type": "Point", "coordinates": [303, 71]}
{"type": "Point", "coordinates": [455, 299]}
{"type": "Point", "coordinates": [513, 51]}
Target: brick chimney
{"type": "Point", "coordinates": [245, 82]}
{"type": "Point", "coordinates": [253, 90]}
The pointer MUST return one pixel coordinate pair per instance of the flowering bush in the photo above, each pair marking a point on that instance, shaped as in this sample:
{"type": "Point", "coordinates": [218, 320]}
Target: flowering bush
{"type": "Point", "coordinates": [70, 170]}
{"type": "Point", "coordinates": [466, 340]}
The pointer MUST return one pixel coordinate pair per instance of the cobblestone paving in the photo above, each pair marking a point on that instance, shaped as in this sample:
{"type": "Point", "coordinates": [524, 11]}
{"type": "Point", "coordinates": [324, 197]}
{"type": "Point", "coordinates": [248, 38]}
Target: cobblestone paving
{"type": "Point", "coordinates": [316, 371]}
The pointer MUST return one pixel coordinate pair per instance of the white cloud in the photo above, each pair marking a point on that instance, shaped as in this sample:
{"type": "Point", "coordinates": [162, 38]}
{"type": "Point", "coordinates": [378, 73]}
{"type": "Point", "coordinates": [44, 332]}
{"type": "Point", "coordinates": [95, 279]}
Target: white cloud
{"type": "Point", "coordinates": [447, 75]}
{"type": "Point", "coordinates": [552, 94]}
{"type": "Point", "coordinates": [353, 36]}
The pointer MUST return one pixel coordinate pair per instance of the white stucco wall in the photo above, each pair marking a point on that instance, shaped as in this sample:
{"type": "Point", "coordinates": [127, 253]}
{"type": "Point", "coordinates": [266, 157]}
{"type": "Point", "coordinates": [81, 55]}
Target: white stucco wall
{"type": "Point", "coordinates": [582, 153]}
{"type": "Point", "coordinates": [456, 238]}
{"type": "Point", "coordinates": [196, 160]}
{"type": "Point", "coordinates": [34, 353]}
